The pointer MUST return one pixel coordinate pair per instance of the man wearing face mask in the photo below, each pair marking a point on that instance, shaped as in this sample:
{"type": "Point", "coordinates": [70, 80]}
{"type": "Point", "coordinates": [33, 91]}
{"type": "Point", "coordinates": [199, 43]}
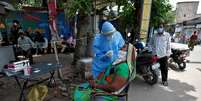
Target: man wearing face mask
{"type": "Point", "coordinates": [160, 45]}
{"type": "Point", "coordinates": [106, 48]}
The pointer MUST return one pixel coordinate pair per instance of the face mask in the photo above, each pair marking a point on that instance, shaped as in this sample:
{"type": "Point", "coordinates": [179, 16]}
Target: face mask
{"type": "Point", "coordinates": [109, 37]}
{"type": "Point", "coordinates": [160, 30]}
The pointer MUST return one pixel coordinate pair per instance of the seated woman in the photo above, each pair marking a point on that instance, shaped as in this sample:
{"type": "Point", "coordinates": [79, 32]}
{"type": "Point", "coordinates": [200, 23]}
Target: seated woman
{"type": "Point", "coordinates": [112, 79]}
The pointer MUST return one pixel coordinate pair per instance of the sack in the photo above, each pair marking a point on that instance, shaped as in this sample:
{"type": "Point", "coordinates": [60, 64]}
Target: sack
{"type": "Point", "coordinates": [37, 93]}
{"type": "Point", "coordinates": [82, 92]}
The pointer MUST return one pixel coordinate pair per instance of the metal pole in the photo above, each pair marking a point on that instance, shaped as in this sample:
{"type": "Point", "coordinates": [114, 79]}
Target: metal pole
{"type": "Point", "coordinates": [55, 38]}
{"type": "Point", "coordinates": [60, 75]}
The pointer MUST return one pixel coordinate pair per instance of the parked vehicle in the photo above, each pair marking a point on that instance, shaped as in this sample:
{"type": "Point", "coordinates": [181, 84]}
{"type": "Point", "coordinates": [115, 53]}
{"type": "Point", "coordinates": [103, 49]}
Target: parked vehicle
{"type": "Point", "coordinates": [147, 64]}
{"type": "Point", "coordinates": [148, 67]}
{"type": "Point", "coordinates": [179, 54]}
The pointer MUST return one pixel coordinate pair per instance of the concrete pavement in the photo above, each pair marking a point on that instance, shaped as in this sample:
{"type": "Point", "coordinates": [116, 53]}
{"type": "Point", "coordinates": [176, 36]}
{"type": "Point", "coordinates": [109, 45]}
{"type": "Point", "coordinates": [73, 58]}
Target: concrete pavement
{"type": "Point", "coordinates": [183, 85]}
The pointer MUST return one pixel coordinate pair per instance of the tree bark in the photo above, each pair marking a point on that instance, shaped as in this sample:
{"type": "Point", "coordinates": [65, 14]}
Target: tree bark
{"type": "Point", "coordinates": [82, 29]}
{"type": "Point", "coordinates": [89, 44]}
{"type": "Point", "coordinates": [138, 18]}
{"type": "Point", "coordinates": [44, 3]}
{"type": "Point", "coordinates": [90, 36]}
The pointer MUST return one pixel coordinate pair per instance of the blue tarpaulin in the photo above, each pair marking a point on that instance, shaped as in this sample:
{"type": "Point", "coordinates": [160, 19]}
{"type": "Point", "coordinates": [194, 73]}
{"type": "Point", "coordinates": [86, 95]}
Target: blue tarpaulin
{"type": "Point", "coordinates": [40, 20]}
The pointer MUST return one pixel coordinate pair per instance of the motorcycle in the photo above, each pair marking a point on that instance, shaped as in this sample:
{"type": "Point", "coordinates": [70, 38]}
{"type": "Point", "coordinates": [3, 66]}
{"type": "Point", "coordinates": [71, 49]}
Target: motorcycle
{"type": "Point", "coordinates": [148, 67]}
{"type": "Point", "coordinates": [147, 64]}
{"type": "Point", "coordinates": [179, 54]}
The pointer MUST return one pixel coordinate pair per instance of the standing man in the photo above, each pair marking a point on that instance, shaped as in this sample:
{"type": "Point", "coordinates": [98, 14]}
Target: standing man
{"type": "Point", "coordinates": [160, 45]}
{"type": "Point", "coordinates": [14, 32]}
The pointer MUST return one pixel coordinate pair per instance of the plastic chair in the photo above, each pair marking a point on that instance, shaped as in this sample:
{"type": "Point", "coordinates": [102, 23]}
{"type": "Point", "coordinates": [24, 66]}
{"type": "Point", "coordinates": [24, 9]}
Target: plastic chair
{"type": "Point", "coordinates": [123, 92]}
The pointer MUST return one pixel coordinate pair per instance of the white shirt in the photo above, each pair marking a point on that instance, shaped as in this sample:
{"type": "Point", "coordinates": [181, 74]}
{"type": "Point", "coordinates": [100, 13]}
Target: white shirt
{"type": "Point", "coordinates": [160, 45]}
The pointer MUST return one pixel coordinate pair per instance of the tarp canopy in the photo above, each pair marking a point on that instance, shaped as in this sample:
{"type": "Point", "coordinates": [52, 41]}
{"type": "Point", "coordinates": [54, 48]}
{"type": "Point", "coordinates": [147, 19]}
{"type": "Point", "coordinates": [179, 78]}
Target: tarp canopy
{"type": "Point", "coordinates": [7, 6]}
{"type": "Point", "coordinates": [99, 4]}
{"type": "Point", "coordinates": [2, 9]}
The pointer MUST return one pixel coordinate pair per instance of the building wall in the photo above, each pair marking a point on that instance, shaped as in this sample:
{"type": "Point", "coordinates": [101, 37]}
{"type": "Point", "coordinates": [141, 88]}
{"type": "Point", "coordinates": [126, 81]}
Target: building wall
{"type": "Point", "coordinates": [186, 11]}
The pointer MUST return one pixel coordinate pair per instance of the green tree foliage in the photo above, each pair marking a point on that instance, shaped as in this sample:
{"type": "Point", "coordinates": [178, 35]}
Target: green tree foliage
{"type": "Point", "coordinates": [32, 3]}
{"type": "Point", "coordinates": [161, 11]}
{"type": "Point", "coordinates": [127, 15]}
{"type": "Point", "coordinates": [83, 6]}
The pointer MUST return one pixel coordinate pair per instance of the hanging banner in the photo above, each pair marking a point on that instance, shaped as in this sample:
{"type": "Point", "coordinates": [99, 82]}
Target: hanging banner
{"type": "Point", "coordinates": [32, 18]}
{"type": "Point", "coordinates": [52, 8]}
{"type": "Point", "coordinates": [145, 19]}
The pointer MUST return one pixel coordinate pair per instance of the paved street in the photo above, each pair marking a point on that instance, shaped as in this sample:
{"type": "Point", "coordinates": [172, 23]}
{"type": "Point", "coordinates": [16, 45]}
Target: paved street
{"type": "Point", "coordinates": [183, 86]}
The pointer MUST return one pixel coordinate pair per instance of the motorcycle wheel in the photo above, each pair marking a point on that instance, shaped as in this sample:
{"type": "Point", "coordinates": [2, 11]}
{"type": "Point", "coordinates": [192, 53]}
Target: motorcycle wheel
{"type": "Point", "coordinates": [172, 64]}
{"type": "Point", "coordinates": [152, 78]}
{"type": "Point", "coordinates": [182, 65]}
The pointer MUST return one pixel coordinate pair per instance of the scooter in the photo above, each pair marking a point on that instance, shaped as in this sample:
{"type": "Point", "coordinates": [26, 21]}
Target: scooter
{"type": "Point", "coordinates": [179, 54]}
{"type": "Point", "coordinates": [179, 57]}
{"type": "Point", "coordinates": [147, 66]}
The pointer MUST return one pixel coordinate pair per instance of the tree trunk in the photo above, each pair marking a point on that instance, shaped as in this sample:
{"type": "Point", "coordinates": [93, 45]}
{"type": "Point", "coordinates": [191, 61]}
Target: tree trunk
{"type": "Point", "coordinates": [78, 45]}
{"type": "Point", "coordinates": [82, 29]}
{"type": "Point", "coordinates": [138, 18]}
{"type": "Point", "coordinates": [89, 44]}
{"type": "Point", "coordinates": [44, 3]}
{"type": "Point", "coordinates": [90, 36]}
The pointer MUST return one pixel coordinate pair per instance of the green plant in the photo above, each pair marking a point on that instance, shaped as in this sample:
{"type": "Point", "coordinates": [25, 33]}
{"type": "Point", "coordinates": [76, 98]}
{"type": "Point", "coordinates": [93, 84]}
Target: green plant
{"type": "Point", "coordinates": [73, 6]}
{"type": "Point", "coordinates": [127, 15]}
{"type": "Point", "coordinates": [161, 10]}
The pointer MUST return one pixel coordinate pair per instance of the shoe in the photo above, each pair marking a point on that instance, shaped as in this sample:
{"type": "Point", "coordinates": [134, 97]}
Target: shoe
{"type": "Point", "coordinates": [165, 83]}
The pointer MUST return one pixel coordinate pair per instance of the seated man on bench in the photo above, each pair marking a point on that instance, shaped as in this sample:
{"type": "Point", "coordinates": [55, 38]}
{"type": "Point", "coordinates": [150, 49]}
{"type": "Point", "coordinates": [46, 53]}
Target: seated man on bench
{"type": "Point", "coordinates": [25, 45]}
